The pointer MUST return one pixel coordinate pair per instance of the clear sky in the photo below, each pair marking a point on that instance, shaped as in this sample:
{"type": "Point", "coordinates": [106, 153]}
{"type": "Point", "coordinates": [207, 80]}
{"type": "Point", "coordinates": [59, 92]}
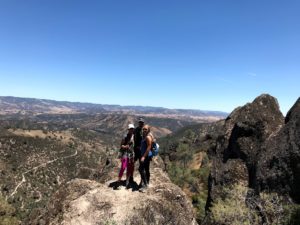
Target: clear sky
{"type": "Point", "coordinates": [211, 55]}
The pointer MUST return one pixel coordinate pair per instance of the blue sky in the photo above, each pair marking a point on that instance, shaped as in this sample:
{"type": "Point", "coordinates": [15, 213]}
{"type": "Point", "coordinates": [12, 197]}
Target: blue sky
{"type": "Point", "coordinates": [211, 55]}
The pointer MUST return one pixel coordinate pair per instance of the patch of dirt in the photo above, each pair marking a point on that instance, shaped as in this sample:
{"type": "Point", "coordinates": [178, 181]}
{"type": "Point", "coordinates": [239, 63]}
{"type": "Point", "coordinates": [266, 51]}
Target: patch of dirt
{"type": "Point", "coordinates": [197, 160]}
{"type": "Point", "coordinates": [64, 136]}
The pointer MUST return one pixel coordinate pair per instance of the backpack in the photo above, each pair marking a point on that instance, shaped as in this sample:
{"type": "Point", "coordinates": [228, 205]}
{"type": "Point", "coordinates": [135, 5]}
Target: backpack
{"type": "Point", "coordinates": [155, 148]}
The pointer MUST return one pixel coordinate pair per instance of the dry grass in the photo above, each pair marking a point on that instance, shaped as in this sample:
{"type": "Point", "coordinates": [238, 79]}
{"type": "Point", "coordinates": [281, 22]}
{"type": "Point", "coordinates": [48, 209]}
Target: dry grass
{"type": "Point", "coordinates": [64, 136]}
{"type": "Point", "coordinates": [196, 161]}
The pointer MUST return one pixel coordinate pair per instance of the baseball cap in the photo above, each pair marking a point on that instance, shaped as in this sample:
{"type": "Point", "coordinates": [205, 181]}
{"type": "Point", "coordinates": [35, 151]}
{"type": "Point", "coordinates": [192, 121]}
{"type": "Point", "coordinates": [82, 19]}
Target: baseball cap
{"type": "Point", "coordinates": [130, 126]}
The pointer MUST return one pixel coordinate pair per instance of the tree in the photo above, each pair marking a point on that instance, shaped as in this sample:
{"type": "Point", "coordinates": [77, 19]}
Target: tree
{"type": "Point", "coordinates": [185, 155]}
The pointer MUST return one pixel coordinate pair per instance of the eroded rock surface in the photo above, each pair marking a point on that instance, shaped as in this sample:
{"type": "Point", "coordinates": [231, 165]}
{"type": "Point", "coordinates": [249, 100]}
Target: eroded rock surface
{"type": "Point", "coordinates": [258, 148]}
{"type": "Point", "coordinates": [89, 202]}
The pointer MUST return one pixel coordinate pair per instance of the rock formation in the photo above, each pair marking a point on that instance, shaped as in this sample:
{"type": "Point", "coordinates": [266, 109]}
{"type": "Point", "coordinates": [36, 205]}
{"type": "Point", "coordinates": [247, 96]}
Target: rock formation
{"type": "Point", "coordinates": [89, 202]}
{"type": "Point", "coordinates": [259, 149]}
{"type": "Point", "coordinates": [279, 166]}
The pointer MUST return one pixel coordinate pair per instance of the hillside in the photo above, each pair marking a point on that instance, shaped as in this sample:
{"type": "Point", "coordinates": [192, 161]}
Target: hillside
{"type": "Point", "coordinates": [34, 163]}
{"type": "Point", "coordinates": [30, 106]}
{"type": "Point", "coordinates": [185, 155]}
{"type": "Point", "coordinates": [41, 153]}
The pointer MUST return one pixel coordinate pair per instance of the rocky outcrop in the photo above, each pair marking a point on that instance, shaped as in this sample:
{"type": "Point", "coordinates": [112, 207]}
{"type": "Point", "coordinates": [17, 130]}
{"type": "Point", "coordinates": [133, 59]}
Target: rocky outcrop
{"type": "Point", "coordinates": [279, 166]}
{"type": "Point", "coordinates": [254, 158]}
{"type": "Point", "coordinates": [89, 202]}
{"type": "Point", "coordinates": [258, 148]}
{"type": "Point", "coordinates": [241, 146]}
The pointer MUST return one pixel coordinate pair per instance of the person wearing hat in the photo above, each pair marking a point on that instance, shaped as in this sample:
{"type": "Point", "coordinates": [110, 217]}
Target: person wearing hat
{"type": "Point", "coordinates": [127, 155]}
{"type": "Point", "coordinates": [138, 137]}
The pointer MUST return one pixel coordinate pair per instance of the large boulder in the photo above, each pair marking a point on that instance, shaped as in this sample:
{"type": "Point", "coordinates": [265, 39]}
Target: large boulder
{"type": "Point", "coordinates": [89, 202]}
{"type": "Point", "coordinates": [241, 145]}
{"type": "Point", "coordinates": [279, 166]}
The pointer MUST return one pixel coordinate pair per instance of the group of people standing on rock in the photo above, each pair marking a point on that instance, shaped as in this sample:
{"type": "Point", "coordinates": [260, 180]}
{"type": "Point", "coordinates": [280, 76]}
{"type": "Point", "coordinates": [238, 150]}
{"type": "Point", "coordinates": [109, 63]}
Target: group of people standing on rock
{"type": "Point", "coordinates": [136, 146]}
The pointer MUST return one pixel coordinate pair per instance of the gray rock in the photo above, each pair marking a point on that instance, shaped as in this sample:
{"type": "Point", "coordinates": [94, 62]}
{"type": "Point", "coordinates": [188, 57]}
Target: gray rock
{"type": "Point", "coordinates": [89, 202]}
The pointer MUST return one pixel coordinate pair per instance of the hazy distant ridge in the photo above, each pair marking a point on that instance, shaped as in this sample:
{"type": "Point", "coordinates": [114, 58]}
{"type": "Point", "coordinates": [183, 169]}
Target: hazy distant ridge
{"type": "Point", "coordinates": [9, 104]}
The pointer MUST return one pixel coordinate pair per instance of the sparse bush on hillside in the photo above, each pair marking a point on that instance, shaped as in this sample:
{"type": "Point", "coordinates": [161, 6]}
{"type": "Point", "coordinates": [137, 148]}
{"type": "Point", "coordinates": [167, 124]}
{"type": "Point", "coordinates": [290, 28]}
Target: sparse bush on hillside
{"type": "Point", "coordinates": [231, 208]}
{"type": "Point", "coordinates": [199, 202]}
{"type": "Point", "coordinates": [293, 217]}
{"type": "Point", "coordinates": [110, 222]}
{"type": "Point", "coordinates": [7, 213]}
{"type": "Point", "coordinates": [238, 206]}
{"type": "Point", "coordinates": [190, 136]}
{"type": "Point", "coordinates": [179, 150]}
{"type": "Point", "coordinates": [184, 154]}
{"type": "Point", "coordinates": [193, 180]}
{"type": "Point", "coordinates": [176, 174]}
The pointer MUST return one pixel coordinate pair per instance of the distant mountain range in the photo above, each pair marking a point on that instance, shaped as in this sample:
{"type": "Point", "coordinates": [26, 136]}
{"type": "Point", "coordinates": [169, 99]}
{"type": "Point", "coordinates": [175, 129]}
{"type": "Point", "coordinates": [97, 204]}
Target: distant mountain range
{"type": "Point", "coordinates": [16, 105]}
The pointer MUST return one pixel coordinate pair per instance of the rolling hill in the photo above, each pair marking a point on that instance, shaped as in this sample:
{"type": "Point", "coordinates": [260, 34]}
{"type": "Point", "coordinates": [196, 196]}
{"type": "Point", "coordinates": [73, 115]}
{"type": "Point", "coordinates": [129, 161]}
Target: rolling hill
{"type": "Point", "coordinates": [31, 106]}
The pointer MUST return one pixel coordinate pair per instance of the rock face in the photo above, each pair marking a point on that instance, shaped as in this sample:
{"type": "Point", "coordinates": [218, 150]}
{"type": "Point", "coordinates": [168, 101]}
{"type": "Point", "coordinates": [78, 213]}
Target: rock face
{"type": "Point", "coordinates": [254, 157]}
{"type": "Point", "coordinates": [240, 148]}
{"type": "Point", "coordinates": [279, 167]}
{"type": "Point", "coordinates": [259, 149]}
{"type": "Point", "coordinates": [89, 202]}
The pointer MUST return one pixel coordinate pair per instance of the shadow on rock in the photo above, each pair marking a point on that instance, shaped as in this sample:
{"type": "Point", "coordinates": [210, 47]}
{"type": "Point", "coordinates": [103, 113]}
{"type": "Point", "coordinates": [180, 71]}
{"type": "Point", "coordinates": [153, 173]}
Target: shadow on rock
{"type": "Point", "coordinates": [117, 184]}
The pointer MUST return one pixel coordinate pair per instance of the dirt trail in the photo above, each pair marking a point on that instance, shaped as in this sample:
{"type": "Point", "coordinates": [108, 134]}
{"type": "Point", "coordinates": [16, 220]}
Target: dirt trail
{"type": "Point", "coordinates": [37, 167]}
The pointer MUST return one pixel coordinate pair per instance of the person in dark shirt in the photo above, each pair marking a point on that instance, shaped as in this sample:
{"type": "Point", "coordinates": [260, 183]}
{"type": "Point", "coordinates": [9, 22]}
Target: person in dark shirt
{"type": "Point", "coordinates": [138, 137]}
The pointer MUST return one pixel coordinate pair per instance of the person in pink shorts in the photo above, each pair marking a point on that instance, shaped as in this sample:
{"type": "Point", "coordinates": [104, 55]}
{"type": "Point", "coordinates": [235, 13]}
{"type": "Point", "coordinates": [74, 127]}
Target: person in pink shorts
{"type": "Point", "coordinates": [127, 155]}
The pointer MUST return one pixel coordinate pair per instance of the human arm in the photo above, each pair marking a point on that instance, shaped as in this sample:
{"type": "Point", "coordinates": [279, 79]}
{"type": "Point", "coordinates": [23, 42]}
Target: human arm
{"type": "Point", "coordinates": [149, 145]}
{"type": "Point", "coordinates": [123, 145]}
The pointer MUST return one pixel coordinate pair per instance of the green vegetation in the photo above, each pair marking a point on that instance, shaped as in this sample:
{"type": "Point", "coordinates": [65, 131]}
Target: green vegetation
{"type": "Point", "coordinates": [231, 208]}
{"type": "Point", "coordinates": [7, 213]}
{"type": "Point", "coordinates": [180, 152]}
{"type": "Point", "coordinates": [110, 222]}
{"type": "Point", "coordinates": [193, 181]}
{"type": "Point", "coordinates": [236, 206]}
{"type": "Point", "coordinates": [293, 217]}
{"type": "Point", "coordinates": [46, 163]}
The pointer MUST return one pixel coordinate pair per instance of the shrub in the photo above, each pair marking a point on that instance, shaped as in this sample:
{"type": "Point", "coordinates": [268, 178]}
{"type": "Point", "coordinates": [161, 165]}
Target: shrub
{"type": "Point", "coordinates": [110, 222]}
{"type": "Point", "coordinates": [231, 208]}
{"type": "Point", "coordinates": [199, 202]}
{"type": "Point", "coordinates": [293, 215]}
{"type": "Point", "coordinates": [6, 214]}
{"type": "Point", "coordinates": [239, 205]}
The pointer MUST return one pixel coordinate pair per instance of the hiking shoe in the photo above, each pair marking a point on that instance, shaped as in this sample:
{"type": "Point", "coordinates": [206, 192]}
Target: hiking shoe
{"type": "Point", "coordinates": [143, 189]}
{"type": "Point", "coordinates": [140, 184]}
{"type": "Point", "coordinates": [128, 184]}
{"type": "Point", "coordinates": [117, 188]}
{"type": "Point", "coordinates": [131, 180]}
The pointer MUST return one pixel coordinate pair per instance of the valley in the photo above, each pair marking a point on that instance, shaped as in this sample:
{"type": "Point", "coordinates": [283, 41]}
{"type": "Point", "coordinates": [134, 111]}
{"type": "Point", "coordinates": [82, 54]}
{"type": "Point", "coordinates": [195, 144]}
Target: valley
{"type": "Point", "coordinates": [250, 158]}
{"type": "Point", "coordinates": [42, 150]}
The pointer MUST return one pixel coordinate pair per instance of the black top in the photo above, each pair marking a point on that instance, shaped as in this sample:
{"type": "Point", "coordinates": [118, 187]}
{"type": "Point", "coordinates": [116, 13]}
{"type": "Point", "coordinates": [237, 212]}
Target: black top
{"type": "Point", "coordinates": [127, 140]}
{"type": "Point", "coordinates": [138, 136]}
